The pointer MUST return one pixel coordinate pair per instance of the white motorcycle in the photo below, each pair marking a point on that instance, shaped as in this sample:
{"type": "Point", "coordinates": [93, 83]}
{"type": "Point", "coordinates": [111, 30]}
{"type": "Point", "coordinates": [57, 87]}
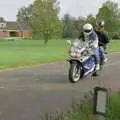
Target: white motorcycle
{"type": "Point", "coordinates": [82, 60]}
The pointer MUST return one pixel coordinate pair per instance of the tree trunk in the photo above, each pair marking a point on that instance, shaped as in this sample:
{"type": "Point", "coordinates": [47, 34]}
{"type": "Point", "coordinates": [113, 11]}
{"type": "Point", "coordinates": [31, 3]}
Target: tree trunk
{"type": "Point", "coordinates": [45, 40]}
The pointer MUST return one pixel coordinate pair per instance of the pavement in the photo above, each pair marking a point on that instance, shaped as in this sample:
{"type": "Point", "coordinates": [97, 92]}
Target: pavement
{"type": "Point", "coordinates": [27, 93]}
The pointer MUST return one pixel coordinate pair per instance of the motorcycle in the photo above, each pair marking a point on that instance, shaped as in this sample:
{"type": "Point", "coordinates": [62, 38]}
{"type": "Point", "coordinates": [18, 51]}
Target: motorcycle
{"type": "Point", "coordinates": [82, 61]}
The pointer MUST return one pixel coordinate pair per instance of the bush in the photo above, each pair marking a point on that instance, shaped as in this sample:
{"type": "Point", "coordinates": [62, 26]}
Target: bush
{"type": "Point", "coordinates": [114, 107]}
{"type": "Point", "coordinates": [116, 36]}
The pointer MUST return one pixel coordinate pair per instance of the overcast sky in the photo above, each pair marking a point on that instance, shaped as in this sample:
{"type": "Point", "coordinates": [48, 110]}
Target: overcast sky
{"type": "Point", "coordinates": [8, 8]}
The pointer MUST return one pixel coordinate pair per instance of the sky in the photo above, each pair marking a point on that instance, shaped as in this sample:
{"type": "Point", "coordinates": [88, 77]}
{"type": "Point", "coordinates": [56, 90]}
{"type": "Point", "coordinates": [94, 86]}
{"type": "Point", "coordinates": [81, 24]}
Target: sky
{"type": "Point", "coordinates": [9, 8]}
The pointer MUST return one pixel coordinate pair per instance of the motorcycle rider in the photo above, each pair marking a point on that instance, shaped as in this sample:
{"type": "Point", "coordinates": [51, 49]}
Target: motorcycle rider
{"type": "Point", "coordinates": [103, 38]}
{"type": "Point", "coordinates": [89, 34]}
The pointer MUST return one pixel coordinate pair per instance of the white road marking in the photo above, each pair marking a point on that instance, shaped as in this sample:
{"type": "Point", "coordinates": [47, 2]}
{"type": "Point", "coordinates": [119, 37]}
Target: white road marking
{"type": "Point", "coordinates": [1, 87]}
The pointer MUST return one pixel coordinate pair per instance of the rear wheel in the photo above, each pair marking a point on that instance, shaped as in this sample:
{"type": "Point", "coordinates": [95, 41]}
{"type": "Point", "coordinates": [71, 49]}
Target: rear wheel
{"type": "Point", "coordinates": [74, 72]}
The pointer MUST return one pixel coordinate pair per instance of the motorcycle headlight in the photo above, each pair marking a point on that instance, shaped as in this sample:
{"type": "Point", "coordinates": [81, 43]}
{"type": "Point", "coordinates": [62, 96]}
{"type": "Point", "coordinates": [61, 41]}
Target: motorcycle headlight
{"type": "Point", "coordinates": [78, 55]}
{"type": "Point", "coordinates": [73, 54]}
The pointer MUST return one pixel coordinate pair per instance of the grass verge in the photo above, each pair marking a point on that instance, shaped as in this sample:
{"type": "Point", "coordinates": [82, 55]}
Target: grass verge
{"type": "Point", "coordinates": [114, 46]}
{"type": "Point", "coordinates": [32, 52]}
{"type": "Point", "coordinates": [83, 111]}
{"type": "Point", "coordinates": [114, 107]}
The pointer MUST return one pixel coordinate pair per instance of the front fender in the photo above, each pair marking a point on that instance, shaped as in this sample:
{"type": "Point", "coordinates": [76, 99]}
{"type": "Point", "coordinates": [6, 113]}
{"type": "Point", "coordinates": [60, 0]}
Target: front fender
{"type": "Point", "coordinates": [74, 61]}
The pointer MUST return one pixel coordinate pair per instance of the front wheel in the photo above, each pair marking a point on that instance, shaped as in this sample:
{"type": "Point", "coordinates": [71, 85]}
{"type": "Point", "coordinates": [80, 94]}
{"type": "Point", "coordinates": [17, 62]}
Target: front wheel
{"type": "Point", "coordinates": [74, 72]}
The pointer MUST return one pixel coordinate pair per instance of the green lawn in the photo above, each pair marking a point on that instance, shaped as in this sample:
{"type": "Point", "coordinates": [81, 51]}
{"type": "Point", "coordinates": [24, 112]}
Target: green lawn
{"type": "Point", "coordinates": [29, 52]}
{"type": "Point", "coordinates": [114, 46]}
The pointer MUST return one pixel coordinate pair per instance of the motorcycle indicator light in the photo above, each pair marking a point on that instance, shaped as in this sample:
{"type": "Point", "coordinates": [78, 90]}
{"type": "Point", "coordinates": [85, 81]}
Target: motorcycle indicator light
{"type": "Point", "coordinates": [73, 54]}
{"type": "Point", "coordinates": [78, 55]}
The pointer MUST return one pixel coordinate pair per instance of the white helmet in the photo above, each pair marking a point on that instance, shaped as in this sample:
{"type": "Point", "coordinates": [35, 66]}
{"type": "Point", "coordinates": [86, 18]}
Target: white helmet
{"type": "Point", "coordinates": [88, 28]}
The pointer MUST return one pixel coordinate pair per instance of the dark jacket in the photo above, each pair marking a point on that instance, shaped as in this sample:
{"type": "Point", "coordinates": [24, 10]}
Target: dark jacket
{"type": "Point", "coordinates": [103, 38]}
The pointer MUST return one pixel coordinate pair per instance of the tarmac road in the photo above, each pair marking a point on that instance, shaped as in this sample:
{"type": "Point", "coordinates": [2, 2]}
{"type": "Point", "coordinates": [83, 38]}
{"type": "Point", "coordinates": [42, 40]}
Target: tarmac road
{"type": "Point", "coordinates": [27, 93]}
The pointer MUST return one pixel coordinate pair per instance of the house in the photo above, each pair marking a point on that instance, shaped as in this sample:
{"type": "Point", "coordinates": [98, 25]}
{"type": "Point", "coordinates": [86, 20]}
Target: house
{"type": "Point", "coordinates": [13, 29]}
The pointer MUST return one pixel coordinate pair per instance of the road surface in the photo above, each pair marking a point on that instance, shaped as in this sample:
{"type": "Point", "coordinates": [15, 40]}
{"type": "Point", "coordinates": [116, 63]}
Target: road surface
{"type": "Point", "coordinates": [27, 93]}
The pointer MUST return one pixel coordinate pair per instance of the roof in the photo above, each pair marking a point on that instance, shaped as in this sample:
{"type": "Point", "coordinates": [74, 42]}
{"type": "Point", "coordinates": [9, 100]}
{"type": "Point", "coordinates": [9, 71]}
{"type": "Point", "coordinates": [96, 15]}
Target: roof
{"type": "Point", "coordinates": [12, 26]}
{"type": "Point", "coordinates": [16, 26]}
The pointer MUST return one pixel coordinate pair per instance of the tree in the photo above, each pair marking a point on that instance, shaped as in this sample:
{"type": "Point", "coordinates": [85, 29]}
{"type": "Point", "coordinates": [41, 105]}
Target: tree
{"type": "Point", "coordinates": [45, 21]}
{"type": "Point", "coordinates": [71, 26]}
{"type": "Point", "coordinates": [24, 17]}
{"type": "Point", "coordinates": [91, 19]}
{"type": "Point", "coordinates": [67, 22]}
{"type": "Point", "coordinates": [110, 13]}
{"type": "Point", "coordinates": [78, 26]}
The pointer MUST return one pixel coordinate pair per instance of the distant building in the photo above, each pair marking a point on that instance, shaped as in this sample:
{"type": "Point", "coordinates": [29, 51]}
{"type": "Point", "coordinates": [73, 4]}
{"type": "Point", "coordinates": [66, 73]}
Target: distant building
{"type": "Point", "coordinates": [13, 29]}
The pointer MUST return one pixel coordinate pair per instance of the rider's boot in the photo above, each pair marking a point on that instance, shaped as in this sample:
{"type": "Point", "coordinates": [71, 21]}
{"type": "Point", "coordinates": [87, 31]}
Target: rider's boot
{"type": "Point", "coordinates": [97, 67]}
